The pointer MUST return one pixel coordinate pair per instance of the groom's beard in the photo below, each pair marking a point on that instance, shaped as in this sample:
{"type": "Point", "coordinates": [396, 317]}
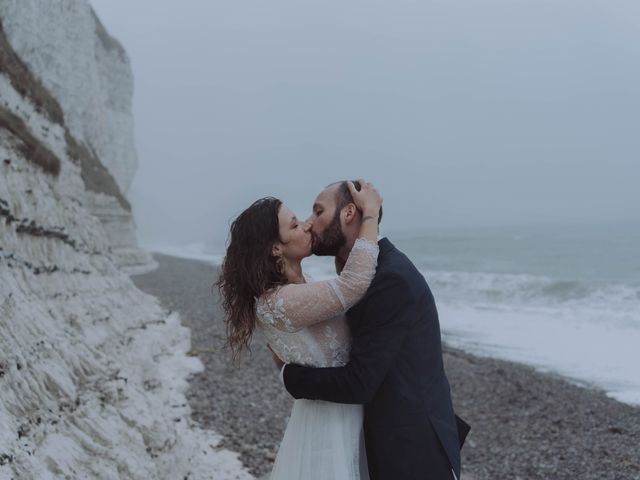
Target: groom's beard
{"type": "Point", "coordinates": [332, 239]}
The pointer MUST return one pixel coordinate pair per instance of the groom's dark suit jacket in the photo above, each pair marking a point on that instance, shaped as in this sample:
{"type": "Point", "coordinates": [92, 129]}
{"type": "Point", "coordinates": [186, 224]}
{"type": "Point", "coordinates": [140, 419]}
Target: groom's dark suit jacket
{"type": "Point", "coordinates": [396, 371]}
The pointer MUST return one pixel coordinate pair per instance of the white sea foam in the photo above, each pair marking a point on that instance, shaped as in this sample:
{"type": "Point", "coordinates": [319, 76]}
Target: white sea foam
{"type": "Point", "coordinates": [584, 332]}
{"type": "Point", "coordinates": [552, 339]}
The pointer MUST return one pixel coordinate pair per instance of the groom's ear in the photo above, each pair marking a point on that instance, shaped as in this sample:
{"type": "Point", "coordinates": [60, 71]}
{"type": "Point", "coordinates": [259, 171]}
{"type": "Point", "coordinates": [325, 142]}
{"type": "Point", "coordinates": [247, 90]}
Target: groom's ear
{"type": "Point", "coordinates": [349, 212]}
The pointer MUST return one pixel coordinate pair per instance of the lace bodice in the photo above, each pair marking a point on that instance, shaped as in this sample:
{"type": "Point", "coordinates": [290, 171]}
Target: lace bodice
{"type": "Point", "coordinates": [305, 323]}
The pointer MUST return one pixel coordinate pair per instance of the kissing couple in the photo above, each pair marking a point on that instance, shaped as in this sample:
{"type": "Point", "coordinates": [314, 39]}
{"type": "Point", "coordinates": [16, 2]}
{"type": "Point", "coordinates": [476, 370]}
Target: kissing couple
{"type": "Point", "coordinates": [361, 353]}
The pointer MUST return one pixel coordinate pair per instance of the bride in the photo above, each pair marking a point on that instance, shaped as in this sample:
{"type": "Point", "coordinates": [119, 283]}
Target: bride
{"type": "Point", "coordinates": [263, 286]}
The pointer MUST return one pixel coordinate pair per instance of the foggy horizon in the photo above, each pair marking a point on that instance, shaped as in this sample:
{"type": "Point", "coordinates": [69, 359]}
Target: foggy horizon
{"type": "Point", "coordinates": [463, 114]}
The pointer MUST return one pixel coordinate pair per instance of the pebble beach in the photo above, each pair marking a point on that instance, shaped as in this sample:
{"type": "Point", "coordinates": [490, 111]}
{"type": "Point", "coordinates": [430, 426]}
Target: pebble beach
{"type": "Point", "coordinates": [525, 424]}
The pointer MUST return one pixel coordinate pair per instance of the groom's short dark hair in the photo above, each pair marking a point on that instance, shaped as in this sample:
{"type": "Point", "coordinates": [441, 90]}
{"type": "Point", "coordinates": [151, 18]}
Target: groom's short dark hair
{"type": "Point", "coordinates": [344, 197]}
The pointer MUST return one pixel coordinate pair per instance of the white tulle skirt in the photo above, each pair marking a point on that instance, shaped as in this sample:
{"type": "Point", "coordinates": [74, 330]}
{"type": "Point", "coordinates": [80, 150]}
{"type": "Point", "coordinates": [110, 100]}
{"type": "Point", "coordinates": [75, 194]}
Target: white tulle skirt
{"type": "Point", "coordinates": [323, 441]}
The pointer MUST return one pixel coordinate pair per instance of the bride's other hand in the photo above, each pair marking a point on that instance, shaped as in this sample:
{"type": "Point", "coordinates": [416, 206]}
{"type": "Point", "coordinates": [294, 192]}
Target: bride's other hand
{"type": "Point", "coordinates": [367, 199]}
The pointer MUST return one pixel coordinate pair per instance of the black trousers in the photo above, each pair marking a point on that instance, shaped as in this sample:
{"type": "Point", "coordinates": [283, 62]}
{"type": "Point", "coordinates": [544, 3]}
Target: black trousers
{"type": "Point", "coordinates": [414, 457]}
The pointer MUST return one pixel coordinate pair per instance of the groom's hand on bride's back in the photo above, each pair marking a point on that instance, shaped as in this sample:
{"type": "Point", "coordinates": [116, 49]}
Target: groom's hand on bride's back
{"type": "Point", "coordinates": [276, 359]}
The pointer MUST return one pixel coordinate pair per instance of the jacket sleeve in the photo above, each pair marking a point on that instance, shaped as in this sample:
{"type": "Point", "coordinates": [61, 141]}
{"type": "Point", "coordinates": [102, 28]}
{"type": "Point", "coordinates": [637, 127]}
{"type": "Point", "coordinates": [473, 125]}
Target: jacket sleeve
{"type": "Point", "coordinates": [389, 313]}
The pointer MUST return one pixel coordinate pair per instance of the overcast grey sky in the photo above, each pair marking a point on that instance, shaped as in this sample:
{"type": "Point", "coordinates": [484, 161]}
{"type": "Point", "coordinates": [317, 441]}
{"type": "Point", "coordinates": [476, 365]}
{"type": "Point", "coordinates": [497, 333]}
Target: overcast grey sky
{"type": "Point", "coordinates": [468, 112]}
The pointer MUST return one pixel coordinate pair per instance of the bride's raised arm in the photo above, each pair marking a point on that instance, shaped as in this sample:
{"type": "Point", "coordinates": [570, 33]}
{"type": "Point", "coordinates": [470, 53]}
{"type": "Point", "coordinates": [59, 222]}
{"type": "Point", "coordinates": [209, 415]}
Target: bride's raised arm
{"type": "Point", "coordinates": [295, 306]}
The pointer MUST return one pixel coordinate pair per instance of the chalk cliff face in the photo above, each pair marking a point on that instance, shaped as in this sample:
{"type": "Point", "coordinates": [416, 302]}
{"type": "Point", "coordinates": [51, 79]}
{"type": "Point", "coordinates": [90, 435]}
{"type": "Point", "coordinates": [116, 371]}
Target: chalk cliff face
{"type": "Point", "coordinates": [92, 370]}
{"type": "Point", "coordinates": [87, 71]}
{"type": "Point", "coordinates": [67, 48]}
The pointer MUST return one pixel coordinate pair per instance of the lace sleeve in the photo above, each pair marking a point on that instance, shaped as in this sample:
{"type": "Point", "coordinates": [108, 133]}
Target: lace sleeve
{"type": "Point", "coordinates": [295, 306]}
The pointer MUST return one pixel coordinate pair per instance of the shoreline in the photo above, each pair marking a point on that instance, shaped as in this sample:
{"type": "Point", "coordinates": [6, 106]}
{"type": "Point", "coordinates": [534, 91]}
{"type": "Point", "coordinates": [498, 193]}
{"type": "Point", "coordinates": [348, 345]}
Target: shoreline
{"type": "Point", "coordinates": [525, 423]}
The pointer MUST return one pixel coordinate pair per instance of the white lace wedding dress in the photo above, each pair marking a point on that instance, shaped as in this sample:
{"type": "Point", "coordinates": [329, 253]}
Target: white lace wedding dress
{"type": "Point", "coordinates": [305, 324]}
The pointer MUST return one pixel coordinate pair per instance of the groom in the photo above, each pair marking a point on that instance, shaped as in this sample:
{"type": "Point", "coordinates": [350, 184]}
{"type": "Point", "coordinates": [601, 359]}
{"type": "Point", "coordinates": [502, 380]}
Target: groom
{"type": "Point", "coordinates": [395, 367]}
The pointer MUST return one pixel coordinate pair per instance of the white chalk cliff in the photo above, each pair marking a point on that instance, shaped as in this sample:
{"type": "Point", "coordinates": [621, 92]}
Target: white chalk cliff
{"type": "Point", "coordinates": [88, 72]}
{"type": "Point", "coordinates": [92, 370]}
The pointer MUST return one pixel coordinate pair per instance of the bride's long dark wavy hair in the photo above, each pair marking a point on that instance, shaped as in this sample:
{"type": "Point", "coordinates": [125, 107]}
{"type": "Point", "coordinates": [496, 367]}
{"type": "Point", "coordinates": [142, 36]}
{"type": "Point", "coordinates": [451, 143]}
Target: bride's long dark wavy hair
{"type": "Point", "coordinates": [249, 270]}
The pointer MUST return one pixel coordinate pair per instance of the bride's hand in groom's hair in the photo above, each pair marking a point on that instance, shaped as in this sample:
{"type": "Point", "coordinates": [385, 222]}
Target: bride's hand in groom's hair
{"type": "Point", "coordinates": [367, 199]}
